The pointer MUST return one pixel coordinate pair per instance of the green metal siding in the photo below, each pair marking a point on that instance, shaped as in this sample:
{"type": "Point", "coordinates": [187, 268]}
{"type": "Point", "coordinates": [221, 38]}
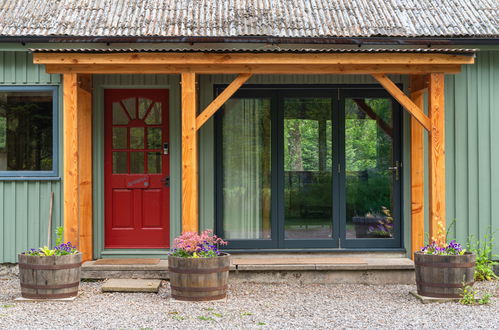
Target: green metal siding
{"type": "Point", "coordinates": [472, 148]}
{"type": "Point", "coordinates": [24, 205]}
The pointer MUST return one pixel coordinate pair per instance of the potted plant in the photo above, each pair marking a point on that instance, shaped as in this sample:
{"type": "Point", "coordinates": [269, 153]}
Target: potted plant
{"type": "Point", "coordinates": [198, 270]}
{"type": "Point", "coordinates": [443, 269]}
{"type": "Point", "coordinates": [46, 273]}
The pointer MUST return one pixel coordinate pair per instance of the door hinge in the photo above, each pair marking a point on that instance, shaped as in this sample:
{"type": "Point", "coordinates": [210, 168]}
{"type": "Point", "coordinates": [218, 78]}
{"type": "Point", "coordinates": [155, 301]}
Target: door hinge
{"type": "Point", "coordinates": [339, 168]}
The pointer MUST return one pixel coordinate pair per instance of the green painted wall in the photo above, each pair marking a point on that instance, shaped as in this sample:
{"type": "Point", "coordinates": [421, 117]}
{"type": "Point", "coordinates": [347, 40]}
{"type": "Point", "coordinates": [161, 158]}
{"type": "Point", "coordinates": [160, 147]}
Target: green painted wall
{"type": "Point", "coordinates": [24, 205]}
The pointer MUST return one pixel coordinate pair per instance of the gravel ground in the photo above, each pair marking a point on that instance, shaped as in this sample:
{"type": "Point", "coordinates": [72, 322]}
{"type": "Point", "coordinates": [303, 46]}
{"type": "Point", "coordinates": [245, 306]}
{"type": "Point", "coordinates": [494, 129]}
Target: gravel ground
{"type": "Point", "coordinates": [250, 305]}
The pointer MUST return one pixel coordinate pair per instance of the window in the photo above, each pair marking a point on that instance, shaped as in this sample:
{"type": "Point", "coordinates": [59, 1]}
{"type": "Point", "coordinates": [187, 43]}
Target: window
{"type": "Point", "coordinates": [28, 131]}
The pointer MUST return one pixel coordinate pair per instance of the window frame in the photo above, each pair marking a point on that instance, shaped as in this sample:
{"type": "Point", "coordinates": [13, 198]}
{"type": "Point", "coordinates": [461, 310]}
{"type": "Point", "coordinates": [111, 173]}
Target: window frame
{"type": "Point", "coordinates": [54, 173]}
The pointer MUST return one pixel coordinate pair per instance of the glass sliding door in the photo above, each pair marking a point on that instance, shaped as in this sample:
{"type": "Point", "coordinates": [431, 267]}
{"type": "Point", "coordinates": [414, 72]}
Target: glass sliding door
{"type": "Point", "coordinates": [307, 161]}
{"type": "Point", "coordinates": [309, 168]}
{"type": "Point", "coordinates": [372, 171]}
{"type": "Point", "coordinates": [246, 162]}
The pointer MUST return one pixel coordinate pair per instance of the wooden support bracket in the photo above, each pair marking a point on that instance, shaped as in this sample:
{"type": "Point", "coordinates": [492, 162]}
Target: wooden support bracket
{"type": "Point", "coordinates": [405, 101]}
{"type": "Point", "coordinates": [221, 99]}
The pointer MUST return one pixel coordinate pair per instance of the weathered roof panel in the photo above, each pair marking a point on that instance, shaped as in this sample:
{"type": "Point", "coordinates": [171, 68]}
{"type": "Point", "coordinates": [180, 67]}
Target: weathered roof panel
{"type": "Point", "coordinates": [455, 51]}
{"type": "Point", "coordinates": [242, 18]}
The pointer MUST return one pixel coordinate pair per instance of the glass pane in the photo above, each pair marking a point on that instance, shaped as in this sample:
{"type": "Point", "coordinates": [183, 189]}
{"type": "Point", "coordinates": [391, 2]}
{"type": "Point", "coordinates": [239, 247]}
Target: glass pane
{"type": "Point", "coordinates": [26, 131]}
{"type": "Point", "coordinates": [368, 156]}
{"type": "Point", "coordinates": [119, 115]}
{"type": "Point", "coordinates": [154, 138]}
{"type": "Point", "coordinates": [246, 166]}
{"type": "Point", "coordinates": [307, 168]}
{"type": "Point", "coordinates": [136, 138]}
{"type": "Point", "coordinates": [144, 105]}
{"type": "Point", "coordinates": [136, 162]}
{"type": "Point", "coordinates": [154, 162]}
{"type": "Point", "coordinates": [131, 107]}
{"type": "Point", "coordinates": [120, 137]}
{"type": "Point", "coordinates": [120, 162]}
{"type": "Point", "coordinates": [154, 116]}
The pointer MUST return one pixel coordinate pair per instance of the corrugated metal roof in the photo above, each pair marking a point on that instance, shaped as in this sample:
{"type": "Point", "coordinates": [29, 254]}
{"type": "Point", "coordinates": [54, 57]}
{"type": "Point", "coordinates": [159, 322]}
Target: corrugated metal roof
{"type": "Point", "coordinates": [240, 18]}
{"type": "Point", "coordinates": [464, 51]}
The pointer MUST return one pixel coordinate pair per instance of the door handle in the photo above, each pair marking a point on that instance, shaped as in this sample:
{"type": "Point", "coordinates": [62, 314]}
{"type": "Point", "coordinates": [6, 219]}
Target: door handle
{"type": "Point", "coordinates": [166, 181]}
{"type": "Point", "coordinates": [395, 169]}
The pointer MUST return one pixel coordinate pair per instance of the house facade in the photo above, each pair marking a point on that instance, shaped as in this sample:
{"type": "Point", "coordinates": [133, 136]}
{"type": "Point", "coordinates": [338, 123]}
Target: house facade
{"type": "Point", "coordinates": [281, 126]}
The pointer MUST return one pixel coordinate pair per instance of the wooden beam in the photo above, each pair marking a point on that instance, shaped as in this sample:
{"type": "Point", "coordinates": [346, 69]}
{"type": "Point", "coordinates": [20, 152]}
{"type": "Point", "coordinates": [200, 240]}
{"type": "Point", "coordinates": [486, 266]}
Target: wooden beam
{"type": "Point", "coordinates": [221, 99]}
{"type": "Point", "coordinates": [85, 165]}
{"type": "Point", "coordinates": [417, 84]}
{"type": "Point", "coordinates": [373, 115]}
{"type": "Point", "coordinates": [250, 58]}
{"type": "Point", "coordinates": [77, 160]}
{"type": "Point", "coordinates": [406, 102]}
{"type": "Point", "coordinates": [254, 68]}
{"type": "Point", "coordinates": [436, 152]}
{"type": "Point", "coordinates": [70, 159]}
{"type": "Point", "coordinates": [190, 182]}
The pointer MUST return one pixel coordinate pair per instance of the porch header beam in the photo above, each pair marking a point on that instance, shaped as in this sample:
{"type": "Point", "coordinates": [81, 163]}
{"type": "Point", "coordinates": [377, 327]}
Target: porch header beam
{"type": "Point", "coordinates": [298, 68]}
{"type": "Point", "coordinates": [212, 108]}
{"type": "Point", "coordinates": [251, 58]}
{"type": "Point", "coordinates": [405, 101]}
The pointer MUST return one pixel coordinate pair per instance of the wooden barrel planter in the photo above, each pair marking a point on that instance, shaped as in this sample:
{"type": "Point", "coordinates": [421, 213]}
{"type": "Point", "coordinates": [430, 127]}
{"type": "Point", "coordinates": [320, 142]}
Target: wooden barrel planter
{"type": "Point", "coordinates": [199, 279]}
{"type": "Point", "coordinates": [443, 276]}
{"type": "Point", "coordinates": [51, 277]}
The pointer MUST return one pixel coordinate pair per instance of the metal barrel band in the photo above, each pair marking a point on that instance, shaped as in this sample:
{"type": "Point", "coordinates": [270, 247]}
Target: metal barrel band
{"type": "Point", "coordinates": [198, 271]}
{"type": "Point", "coordinates": [49, 267]}
{"type": "Point", "coordinates": [55, 286]}
{"type": "Point", "coordinates": [439, 295]}
{"type": "Point", "coordinates": [49, 296]}
{"type": "Point", "coordinates": [218, 288]}
{"type": "Point", "coordinates": [444, 285]}
{"type": "Point", "coordinates": [446, 264]}
{"type": "Point", "coordinates": [221, 296]}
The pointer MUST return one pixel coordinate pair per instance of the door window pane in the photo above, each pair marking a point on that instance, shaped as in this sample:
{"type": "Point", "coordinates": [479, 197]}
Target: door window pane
{"type": "Point", "coordinates": [307, 168]}
{"type": "Point", "coordinates": [154, 163]}
{"type": "Point", "coordinates": [119, 115]}
{"type": "Point", "coordinates": [368, 156]}
{"type": "Point", "coordinates": [26, 131]}
{"type": "Point", "coordinates": [120, 137]}
{"type": "Point", "coordinates": [120, 162]}
{"type": "Point", "coordinates": [136, 162]}
{"type": "Point", "coordinates": [246, 166]}
{"type": "Point", "coordinates": [131, 107]}
{"type": "Point", "coordinates": [137, 138]}
{"type": "Point", "coordinates": [144, 105]}
{"type": "Point", "coordinates": [154, 116]}
{"type": "Point", "coordinates": [154, 138]}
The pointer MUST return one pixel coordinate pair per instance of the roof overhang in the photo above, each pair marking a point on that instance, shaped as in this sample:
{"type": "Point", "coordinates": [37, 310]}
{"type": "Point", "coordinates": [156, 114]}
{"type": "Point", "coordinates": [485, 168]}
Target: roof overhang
{"type": "Point", "coordinates": [256, 61]}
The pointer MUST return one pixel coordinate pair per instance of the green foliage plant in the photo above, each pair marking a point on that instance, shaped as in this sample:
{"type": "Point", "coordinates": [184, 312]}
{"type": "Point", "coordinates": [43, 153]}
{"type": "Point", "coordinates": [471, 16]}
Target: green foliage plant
{"type": "Point", "coordinates": [469, 296]}
{"type": "Point", "coordinates": [484, 269]}
{"type": "Point", "coordinates": [60, 249]}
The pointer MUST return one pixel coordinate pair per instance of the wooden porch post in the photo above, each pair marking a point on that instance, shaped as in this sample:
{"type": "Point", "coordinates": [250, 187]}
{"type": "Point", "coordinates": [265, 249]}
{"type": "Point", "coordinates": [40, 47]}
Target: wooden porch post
{"type": "Point", "coordinates": [77, 159]}
{"type": "Point", "coordinates": [417, 85]}
{"type": "Point", "coordinates": [190, 182]}
{"type": "Point", "coordinates": [436, 152]}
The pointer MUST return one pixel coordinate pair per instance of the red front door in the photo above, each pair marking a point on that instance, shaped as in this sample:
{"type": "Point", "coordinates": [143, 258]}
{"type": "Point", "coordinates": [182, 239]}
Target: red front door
{"type": "Point", "coordinates": [137, 169]}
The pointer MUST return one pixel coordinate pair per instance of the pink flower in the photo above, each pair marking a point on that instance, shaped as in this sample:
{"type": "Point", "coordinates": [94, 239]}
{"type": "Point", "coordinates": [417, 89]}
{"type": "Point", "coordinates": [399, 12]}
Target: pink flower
{"type": "Point", "coordinates": [193, 242]}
